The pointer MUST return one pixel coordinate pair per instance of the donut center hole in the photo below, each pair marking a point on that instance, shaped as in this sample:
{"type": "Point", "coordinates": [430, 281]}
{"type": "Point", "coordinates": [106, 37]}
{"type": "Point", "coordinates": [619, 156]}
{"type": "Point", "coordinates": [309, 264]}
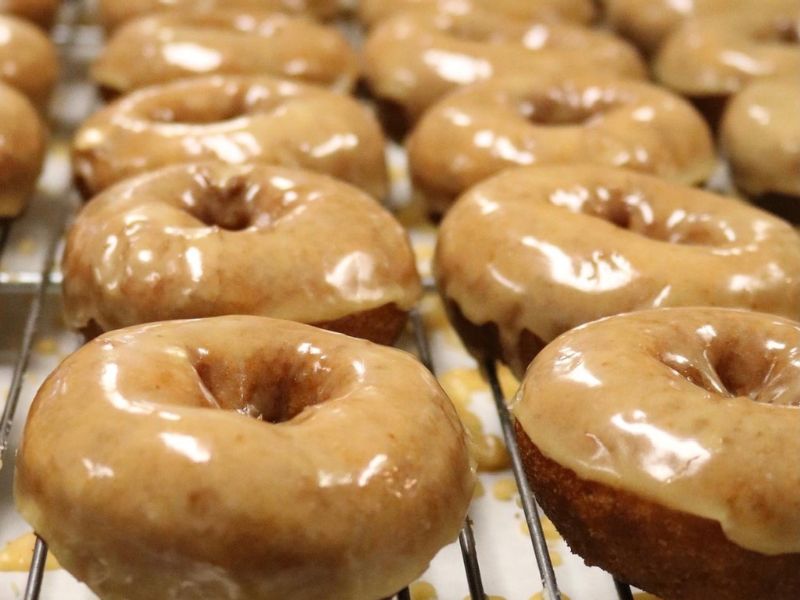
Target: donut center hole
{"type": "Point", "coordinates": [783, 31]}
{"type": "Point", "coordinates": [225, 203]}
{"type": "Point", "coordinates": [200, 110]}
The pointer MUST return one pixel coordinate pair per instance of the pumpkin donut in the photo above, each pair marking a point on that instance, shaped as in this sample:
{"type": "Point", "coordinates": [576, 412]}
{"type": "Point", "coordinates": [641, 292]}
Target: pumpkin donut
{"type": "Point", "coordinates": [233, 119]}
{"type": "Point", "coordinates": [214, 239]}
{"type": "Point", "coordinates": [533, 252]}
{"type": "Point", "coordinates": [577, 11]}
{"type": "Point", "coordinates": [656, 442]}
{"type": "Point", "coordinates": [114, 13]}
{"type": "Point", "coordinates": [22, 149]}
{"type": "Point", "coordinates": [411, 60]}
{"type": "Point", "coordinates": [481, 130]}
{"type": "Point", "coordinates": [167, 46]}
{"type": "Point", "coordinates": [28, 59]}
{"type": "Point", "coordinates": [760, 134]}
{"type": "Point", "coordinates": [710, 58]}
{"type": "Point", "coordinates": [41, 12]}
{"type": "Point", "coordinates": [242, 457]}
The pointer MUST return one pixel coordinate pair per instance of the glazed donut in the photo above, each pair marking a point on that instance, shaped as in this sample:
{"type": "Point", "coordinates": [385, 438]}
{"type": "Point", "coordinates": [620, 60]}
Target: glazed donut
{"type": "Point", "coordinates": [242, 457]}
{"type": "Point", "coordinates": [479, 131]}
{"type": "Point", "coordinates": [578, 11]}
{"type": "Point", "coordinates": [656, 443]}
{"type": "Point", "coordinates": [535, 251]}
{"type": "Point", "coordinates": [22, 149]}
{"type": "Point", "coordinates": [28, 59]}
{"type": "Point", "coordinates": [214, 239]}
{"type": "Point", "coordinates": [233, 119]}
{"type": "Point", "coordinates": [168, 46]}
{"type": "Point", "coordinates": [41, 12]}
{"type": "Point", "coordinates": [648, 22]}
{"type": "Point", "coordinates": [710, 58]}
{"type": "Point", "coordinates": [413, 59]}
{"type": "Point", "coordinates": [114, 13]}
{"type": "Point", "coordinates": [761, 136]}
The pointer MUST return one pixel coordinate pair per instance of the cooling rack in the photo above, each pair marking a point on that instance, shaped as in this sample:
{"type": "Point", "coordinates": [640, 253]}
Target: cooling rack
{"type": "Point", "coordinates": [34, 289]}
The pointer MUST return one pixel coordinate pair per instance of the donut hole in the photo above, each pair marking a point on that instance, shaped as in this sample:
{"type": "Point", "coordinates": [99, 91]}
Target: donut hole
{"type": "Point", "coordinates": [566, 107]}
{"type": "Point", "coordinates": [270, 389]}
{"type": "Point", "coordinates": [225, 203]}
{"type": "Point", "coordinates": [200, 109]}
{"type": "Point", "coordinates": [781, 31]}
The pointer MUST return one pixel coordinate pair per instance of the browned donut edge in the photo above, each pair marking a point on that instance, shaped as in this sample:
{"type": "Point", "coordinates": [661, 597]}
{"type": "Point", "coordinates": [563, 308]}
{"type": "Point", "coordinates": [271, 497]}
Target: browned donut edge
{"type": "Point", "coordinates": [672, 554]}
{"type": "Point", "coordinates": [382, 325]}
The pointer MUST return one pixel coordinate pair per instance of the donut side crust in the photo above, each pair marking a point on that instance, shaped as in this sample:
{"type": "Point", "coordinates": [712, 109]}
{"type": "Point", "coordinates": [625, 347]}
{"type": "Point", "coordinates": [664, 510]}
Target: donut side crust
{"type": "Point", "coordinates": [382, 325]}
{"type": "Point", "coordinates": [669, 553]}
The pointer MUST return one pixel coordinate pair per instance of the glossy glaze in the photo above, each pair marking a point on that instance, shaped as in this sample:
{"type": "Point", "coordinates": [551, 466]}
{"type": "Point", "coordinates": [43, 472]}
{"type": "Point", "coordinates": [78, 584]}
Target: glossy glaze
{"type": "Point", "coordinates": [546, 249]}
{"type": "Point", "coordinates": [22, 148]}
{"type": "Point", "coordinates": [41, 12]}
{"type": "Point", "coordinates": [760, 135]}
{"type": "Point", "coordinates": [169, 46]}
{"type": "Point", "coordinates": [213, 239]}
{"type": "Point", "coordinates": [717, 55]}
{"type": "Point", "coordinates": [579, 11]}
{"type": "Point", "coordinates": [114, 13]}
{"type": "Point", "coordinates": [233, 119]}
{"type": "Point", "coordinates": [696, 409]}
{"type": "Point", "coordinates": [243, 457]}
{"type": "Point", "coordinates": [414, 59]}
{"type": "Point", "coordinates": [481, 130]}
{"type": "Point", "coordinates": [28, 59]}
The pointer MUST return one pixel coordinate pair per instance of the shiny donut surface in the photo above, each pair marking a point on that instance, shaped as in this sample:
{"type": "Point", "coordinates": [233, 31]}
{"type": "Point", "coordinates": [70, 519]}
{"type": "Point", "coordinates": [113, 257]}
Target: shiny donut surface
{"type": "Point", "coordinates": [212, 239]}
{"type": "Point", "coordinates": [41, 12]}
{"type": "Point", "coordinates": [168, 46]}
{"type": "Point", "coordinates": [242, 457]}
{"type": "Point", "coordinates": [28, 59]}
{"type": "Point", "coordinates": [482, 129]}
{"type": "Point", "coordinates": [233, 119]}
{"type": "Point", "coordinates": [537, 251]}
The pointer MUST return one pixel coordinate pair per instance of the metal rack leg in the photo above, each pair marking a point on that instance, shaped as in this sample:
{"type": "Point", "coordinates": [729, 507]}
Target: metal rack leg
{"type": "Point", "coordinates": [36, 573]}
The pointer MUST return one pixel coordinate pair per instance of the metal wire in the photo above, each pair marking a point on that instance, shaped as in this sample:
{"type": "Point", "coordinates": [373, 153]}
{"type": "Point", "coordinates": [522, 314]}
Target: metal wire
{"type": "Point", "coordinates": [466, 537]}
{"type": "Point", "coordinates": [36, 573]}
{"type": "Point", "coordinates": [404, 594]}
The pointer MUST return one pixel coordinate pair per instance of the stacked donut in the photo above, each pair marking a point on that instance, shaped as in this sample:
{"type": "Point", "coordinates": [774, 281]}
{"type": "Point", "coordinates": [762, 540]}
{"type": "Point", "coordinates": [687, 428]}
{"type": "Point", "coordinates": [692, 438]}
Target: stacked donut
{"type": "Point", "coordinates": [233, 213]}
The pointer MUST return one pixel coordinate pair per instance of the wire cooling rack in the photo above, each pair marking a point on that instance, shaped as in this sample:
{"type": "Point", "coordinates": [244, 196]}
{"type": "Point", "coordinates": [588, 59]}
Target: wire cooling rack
{"type": "Point", "coordinates": [75, 43]}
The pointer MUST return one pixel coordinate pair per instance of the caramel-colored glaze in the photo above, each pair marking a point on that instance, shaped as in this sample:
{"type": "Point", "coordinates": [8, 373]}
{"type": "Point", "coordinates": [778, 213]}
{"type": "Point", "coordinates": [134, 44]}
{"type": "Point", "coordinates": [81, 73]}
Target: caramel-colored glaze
{"type": "Point", "coordinates": [760, 135]}
{"type": "Point", "coordinates": [648, 22]}
{"type": "Point", "coordinates": [114, 13]}
{"type": "Point", "coordinates": [17, 555]}
{"type": "Point", "coordinates": [41, 12]}
{"type": "Point", "coordinates": [538, 251]}
{"type": "Point", "coordinates": [241, 457]}
{"type": "Point", "coordinates": [717, 55]}
{"type": "Point", "coordinates": [578, 11]}
{"type": "Point", "coordinates": [22, 148]}
{"type": "Point", "coordinates": [695, 409]}
{"type": "Point", "coordinates": [488, 127]}
{"type": "Point", "coordinates": [213, 239]}
{"type": "Point", "coordinates": [169, 46]}
{"type": "Point", "coordinates": [236, 120]}
{"type": "Point", "coordinates": [416, 58]}
{"type": "Point", "coordinates": [28, 59]}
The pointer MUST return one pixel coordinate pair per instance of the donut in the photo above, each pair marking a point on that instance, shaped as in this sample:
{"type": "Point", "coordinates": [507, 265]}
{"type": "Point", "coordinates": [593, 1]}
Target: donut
{"type": "Point", "coordinates": [648, 22]}
{"type": "Point", "coordinates": [233, 119]}
{"type": "Point", "coordinates": [710, 58]}
{"type": "Point", "coordinates": [481, 130]}
{"type": "Point", "coordinates": [411, 60]}
{"type": "Point", "coordinates": [578, 11]}
{"type": "Point", "coordinates": [168, 46]}
{"type": "Point", "coordinates": [41, 12]}
{"type": "Point", "coordinates": [242, 457]}
{"type": "Point", "coordinates": [535, 251]}
{"type": "Point", "coordinates": [28, 59]}
{"type": "Point", "coordinates": [760, 134]}
{"type": "Point", "coordinates": [657, 441]}
{"type": "Point", "coordinates": [22, 150]}
{"type": "Point", "coordinates": [114, 13]}
{"type": "Point", "coordinates": [214, 239]}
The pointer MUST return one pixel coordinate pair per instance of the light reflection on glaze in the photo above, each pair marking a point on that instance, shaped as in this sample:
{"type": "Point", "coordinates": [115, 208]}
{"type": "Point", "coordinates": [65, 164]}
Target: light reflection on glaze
{"type": "Point", "coordinates": [203, 240]}
{"type": "Point", "coordinates": [695, 409]}
{"type": "Point", "coordinates": [545, 119]}
{"type": "Point", "coordinates": [562, 246]}
{"type": "Point", "coordinates": [167, 47]}
{"type": "Point", "coordinates": [403, 467]}
{"type": "Point", "coordinates": [235, 120]}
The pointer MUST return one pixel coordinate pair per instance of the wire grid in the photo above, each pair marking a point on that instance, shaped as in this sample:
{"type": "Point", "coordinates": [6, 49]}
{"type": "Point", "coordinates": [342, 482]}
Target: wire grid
{"type": "Point", "coordinates": [38, 286]}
